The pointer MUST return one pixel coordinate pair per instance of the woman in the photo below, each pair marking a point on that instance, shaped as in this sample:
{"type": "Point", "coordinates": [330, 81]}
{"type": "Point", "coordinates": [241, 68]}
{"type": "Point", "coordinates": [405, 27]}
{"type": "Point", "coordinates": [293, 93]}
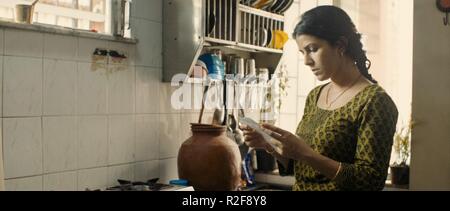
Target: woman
{"type": "Point", "coordinates": [344, 139]}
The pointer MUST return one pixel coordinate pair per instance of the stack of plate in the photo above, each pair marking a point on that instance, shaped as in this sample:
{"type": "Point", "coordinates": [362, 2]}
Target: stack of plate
{"type": "Point", "coordinates": [274, 6]}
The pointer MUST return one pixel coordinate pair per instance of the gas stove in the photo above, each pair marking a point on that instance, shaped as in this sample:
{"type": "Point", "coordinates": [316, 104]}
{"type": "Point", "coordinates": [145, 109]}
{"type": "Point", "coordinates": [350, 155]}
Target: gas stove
{"type": "Point", "coordinates": [150, 185]}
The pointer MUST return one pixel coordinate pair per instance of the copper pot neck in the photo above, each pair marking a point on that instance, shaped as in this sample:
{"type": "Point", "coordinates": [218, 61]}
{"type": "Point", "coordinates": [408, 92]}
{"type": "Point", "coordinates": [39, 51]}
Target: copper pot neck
{"type": "Point", "coordinates": [204, 128]}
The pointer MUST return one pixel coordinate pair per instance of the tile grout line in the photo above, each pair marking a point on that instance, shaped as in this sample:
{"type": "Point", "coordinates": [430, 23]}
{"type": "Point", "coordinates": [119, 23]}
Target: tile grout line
{"type": "Point", "coordinates": [93, 115]}
{"type": "Point", "coordinates": [42, 108]}
{"type": "Point", "coordinates": [134, 115]}
{"type": "Point", "coordinates": [108, 142]}
{"type": "Point", "coordinates": [77, 174]}
{"type": "Point", "coordinates": [42, 146]}
{"type": "Point", "coordinates": [2, 100]}
{"type": "Point", "coordinates": [77, 151]}
{"type": "Point", "coordinates": [89, 168]}
{"type": "Point", "coordinates": [134, 148]}
{"type": "Point", "coordinates": [145, 19]}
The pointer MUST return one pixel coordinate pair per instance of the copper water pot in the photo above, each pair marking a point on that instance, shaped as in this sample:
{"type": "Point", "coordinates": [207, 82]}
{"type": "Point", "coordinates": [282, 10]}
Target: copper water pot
{"type": "Point", "coordinates": [209, 160]}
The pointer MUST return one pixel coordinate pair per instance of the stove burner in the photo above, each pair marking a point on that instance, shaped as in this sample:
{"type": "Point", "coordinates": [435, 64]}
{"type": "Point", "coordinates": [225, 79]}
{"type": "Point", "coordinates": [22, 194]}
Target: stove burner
{"type": "Point", "coordinates": [150, 185]}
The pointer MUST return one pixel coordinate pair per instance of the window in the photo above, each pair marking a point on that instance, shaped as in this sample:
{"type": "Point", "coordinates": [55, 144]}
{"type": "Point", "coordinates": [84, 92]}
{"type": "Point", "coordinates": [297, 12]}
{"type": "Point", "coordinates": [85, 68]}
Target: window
{"type": "Point", "coordinates": [90, 15]}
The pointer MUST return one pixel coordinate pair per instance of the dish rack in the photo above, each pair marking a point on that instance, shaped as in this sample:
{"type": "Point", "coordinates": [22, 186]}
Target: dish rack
{"type": "Point", "coordinates": [245, 26]}
{"type": "Point", "coordinates": [193, 27]}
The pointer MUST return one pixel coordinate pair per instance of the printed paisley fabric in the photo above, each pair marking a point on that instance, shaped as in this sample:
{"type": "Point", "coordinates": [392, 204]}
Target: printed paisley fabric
{"type": "Point", "coordinates": [359, 134]}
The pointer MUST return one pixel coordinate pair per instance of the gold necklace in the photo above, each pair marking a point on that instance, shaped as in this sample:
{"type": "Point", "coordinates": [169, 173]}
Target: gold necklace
{"type": "Point", "coordinates": [328, 93]}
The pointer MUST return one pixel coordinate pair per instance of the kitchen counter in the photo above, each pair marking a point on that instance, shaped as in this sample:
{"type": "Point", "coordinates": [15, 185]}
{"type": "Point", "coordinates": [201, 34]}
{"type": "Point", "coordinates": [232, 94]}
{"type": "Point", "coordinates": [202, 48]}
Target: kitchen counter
{"type": "Point", "coordinates": [267, 187]}
{"type": "Point", "coordinates": [390, 187]}
{"type": "Point", "coordinates": [274, 179]}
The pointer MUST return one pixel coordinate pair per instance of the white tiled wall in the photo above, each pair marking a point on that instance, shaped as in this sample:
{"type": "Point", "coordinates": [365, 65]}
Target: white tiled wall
{"type": "Point", "coordinates": [24, 43]}
{"type": "Point", "coordinates": [147, 79]}
{"type": "Point", "coordinates": [169, 135]}
{"type": "Point", "coordinates": [1, 78]}
{"type": "Point", "coordinates": [22, 87]}
{"type": "Point", "coordinates": [92, 178]}
{"type": "Point", "coordinates": [125, 172]}
{"type": "Point", "coordinates": [25, 184]}
{"type": "Point", "coordinates": [92, 141]}
{"type": "Point", "coordinates": [167, 168]}
{"type": "Point", "coordinates": [66, 181]}
{"type": "Point", "coordinates": [60, 87]}
{"type": "Point", "coordinates": [147, 125]}
{"type": "Point", "coordinates": [85, 48]}
{"type": "Point", "coordinates": [22, 147]}
{"type": "Point", "coordinates": [92, 90]}
{"type": "Point", "coordinates": [121, 88]}
{"type": "Point", "coordinates": [60, 47]}
{"type": "Point", "coordinates": [2, 174]}
{"type": "Point", "coordinates": [60, 143]}
{"type": "Point", "coordinates": [121, 146]}
{"type": "Point", "coordinates": [71, 123]}
{"type": "Point", "coordinates": [144, 171]}
{"type": "Point", "coordinates": [2, 41]}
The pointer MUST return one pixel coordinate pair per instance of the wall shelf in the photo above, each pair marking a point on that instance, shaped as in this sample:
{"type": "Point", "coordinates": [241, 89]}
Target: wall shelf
{"type": "Point", "coordinates": [194, 27]}
{"type": "Point", "coordinates": [212, 43]}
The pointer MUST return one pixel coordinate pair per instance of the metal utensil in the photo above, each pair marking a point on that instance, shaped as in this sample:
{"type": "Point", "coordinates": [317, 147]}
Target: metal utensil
{"type": "Point", "coordinates": [239, 137]}
{"type": "Point", "coordinates": [225, 102]}
{"type": "Point", "coordinates": [232, 122]}
{"type": "Point", "coordinates": [218, 117]}
{"type": "Point", "coordinates": [203, 104]}
{"type": "Point", "coordinates": [34, 3]}
{"type": "Point", "coordinates": [118, 17]}
{"type": "Point", "coordinates": [233, 127]}
{"type": "Point", "coordinates": [24, 12]}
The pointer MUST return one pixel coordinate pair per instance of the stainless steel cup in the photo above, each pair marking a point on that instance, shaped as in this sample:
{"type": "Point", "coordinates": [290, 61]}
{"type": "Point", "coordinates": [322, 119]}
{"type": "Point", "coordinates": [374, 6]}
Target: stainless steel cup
{"type": "Point", "coordinates": [24, 13]}
{"type": "Point", "coordinates": [238, 67]}
{"type": "Point", "coordinates": [250, 67]}
{"type": "Point", "coordinates": [240, 62]}
{"type": "Point", "coordinates": [118, 10]}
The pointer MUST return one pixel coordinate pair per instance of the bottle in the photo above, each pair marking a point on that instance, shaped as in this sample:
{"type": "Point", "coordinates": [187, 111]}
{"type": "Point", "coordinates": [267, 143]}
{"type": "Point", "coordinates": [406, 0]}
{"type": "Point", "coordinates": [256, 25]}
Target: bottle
{"type": "Point", "coordinates": [263, 75]}
{"type": "Point", "coordinates": [250, 69]}
{"type": "Point", "coordinates": [118, 17]}
{"type": "Point", "coordinates": [229, 58]}
{"type": "Point", "coordinates": [218, 53]}
{"type": "Point", "coordinates": [240, 67]}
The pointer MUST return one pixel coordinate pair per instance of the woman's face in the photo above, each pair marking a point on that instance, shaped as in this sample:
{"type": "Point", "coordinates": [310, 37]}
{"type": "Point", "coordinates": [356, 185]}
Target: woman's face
{"type": "Point", "coordinates": [324, 59]}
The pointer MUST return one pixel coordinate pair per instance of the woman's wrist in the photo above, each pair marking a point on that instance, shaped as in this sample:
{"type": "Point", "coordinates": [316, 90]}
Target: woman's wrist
{"type": "Point", "coordinates": [307, 156]}
{"type": "Point", "coordinates": [338, 171]}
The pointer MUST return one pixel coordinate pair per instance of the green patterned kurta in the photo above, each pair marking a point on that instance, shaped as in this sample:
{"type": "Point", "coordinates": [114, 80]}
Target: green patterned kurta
{"type": "Point", "coordinates": [359, 134]}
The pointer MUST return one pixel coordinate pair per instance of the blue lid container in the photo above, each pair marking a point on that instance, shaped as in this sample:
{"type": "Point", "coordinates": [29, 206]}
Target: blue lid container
{"type": "Point", "coordinates": [215, 66]}
{"type": "Point", "coordinates": [181, 182]}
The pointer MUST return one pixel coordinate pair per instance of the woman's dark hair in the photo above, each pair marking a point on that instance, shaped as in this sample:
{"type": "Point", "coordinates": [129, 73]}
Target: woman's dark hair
{"type": "Point", "coordinates": [332, 24]}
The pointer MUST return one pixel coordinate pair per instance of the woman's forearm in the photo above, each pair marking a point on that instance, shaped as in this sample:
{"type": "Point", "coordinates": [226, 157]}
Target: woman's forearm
{"type": "Point", "coordinates": [323, 164]}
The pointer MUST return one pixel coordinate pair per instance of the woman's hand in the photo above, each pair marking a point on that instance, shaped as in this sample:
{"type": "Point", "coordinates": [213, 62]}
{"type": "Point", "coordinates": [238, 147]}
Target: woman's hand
{"type": "Point", "coordinates": [291, 146]}
{"type": "Point", "coordinates": [254, 139]}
